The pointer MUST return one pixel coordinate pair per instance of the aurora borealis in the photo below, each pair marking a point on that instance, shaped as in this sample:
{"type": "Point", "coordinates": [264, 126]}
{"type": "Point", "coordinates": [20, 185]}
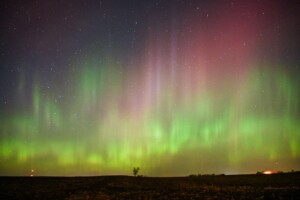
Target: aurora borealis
{"type": "Point", "coordinates": [174, 87]}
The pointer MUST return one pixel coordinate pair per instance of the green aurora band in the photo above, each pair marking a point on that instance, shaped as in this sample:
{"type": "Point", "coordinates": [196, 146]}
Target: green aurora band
{"type": "Point", "coordinates": [98, 130]}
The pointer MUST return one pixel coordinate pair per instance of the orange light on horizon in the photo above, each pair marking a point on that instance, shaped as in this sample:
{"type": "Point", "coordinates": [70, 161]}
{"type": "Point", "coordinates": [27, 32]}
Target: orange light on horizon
{"type": "Point", "coordinates": [268, 172]}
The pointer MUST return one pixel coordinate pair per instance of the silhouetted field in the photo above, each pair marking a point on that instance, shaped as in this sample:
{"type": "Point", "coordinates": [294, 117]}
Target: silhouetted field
{"type": "Point", "coordinates": [276, 186]}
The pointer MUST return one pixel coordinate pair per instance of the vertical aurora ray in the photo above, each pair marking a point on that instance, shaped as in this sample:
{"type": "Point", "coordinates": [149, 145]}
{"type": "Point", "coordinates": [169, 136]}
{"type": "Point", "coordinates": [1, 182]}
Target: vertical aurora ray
{"type": "Point", "coordinates": [200, 95]}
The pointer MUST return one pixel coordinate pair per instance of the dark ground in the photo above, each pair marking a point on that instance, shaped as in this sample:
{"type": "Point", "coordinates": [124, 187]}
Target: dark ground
{"type": "Point", "coordinates": [276, 186]}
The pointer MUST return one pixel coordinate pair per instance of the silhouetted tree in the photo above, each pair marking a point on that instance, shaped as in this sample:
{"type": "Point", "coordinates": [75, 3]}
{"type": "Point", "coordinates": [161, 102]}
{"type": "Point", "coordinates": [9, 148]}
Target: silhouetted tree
{"type": "Point", "coordinates": [135, 171]}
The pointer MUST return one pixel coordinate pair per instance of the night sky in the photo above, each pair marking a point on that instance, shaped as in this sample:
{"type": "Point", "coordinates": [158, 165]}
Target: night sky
{"type": "Point", "coordinates": [173, 87]}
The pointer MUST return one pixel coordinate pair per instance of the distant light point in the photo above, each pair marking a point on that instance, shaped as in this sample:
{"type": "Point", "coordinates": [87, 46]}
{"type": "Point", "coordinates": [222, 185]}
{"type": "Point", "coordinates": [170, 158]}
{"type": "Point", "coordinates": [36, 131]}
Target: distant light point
{"type": "Point", "coordinates": [32, 172]}
{"type": "Point", "coordinates": [268, 172]}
